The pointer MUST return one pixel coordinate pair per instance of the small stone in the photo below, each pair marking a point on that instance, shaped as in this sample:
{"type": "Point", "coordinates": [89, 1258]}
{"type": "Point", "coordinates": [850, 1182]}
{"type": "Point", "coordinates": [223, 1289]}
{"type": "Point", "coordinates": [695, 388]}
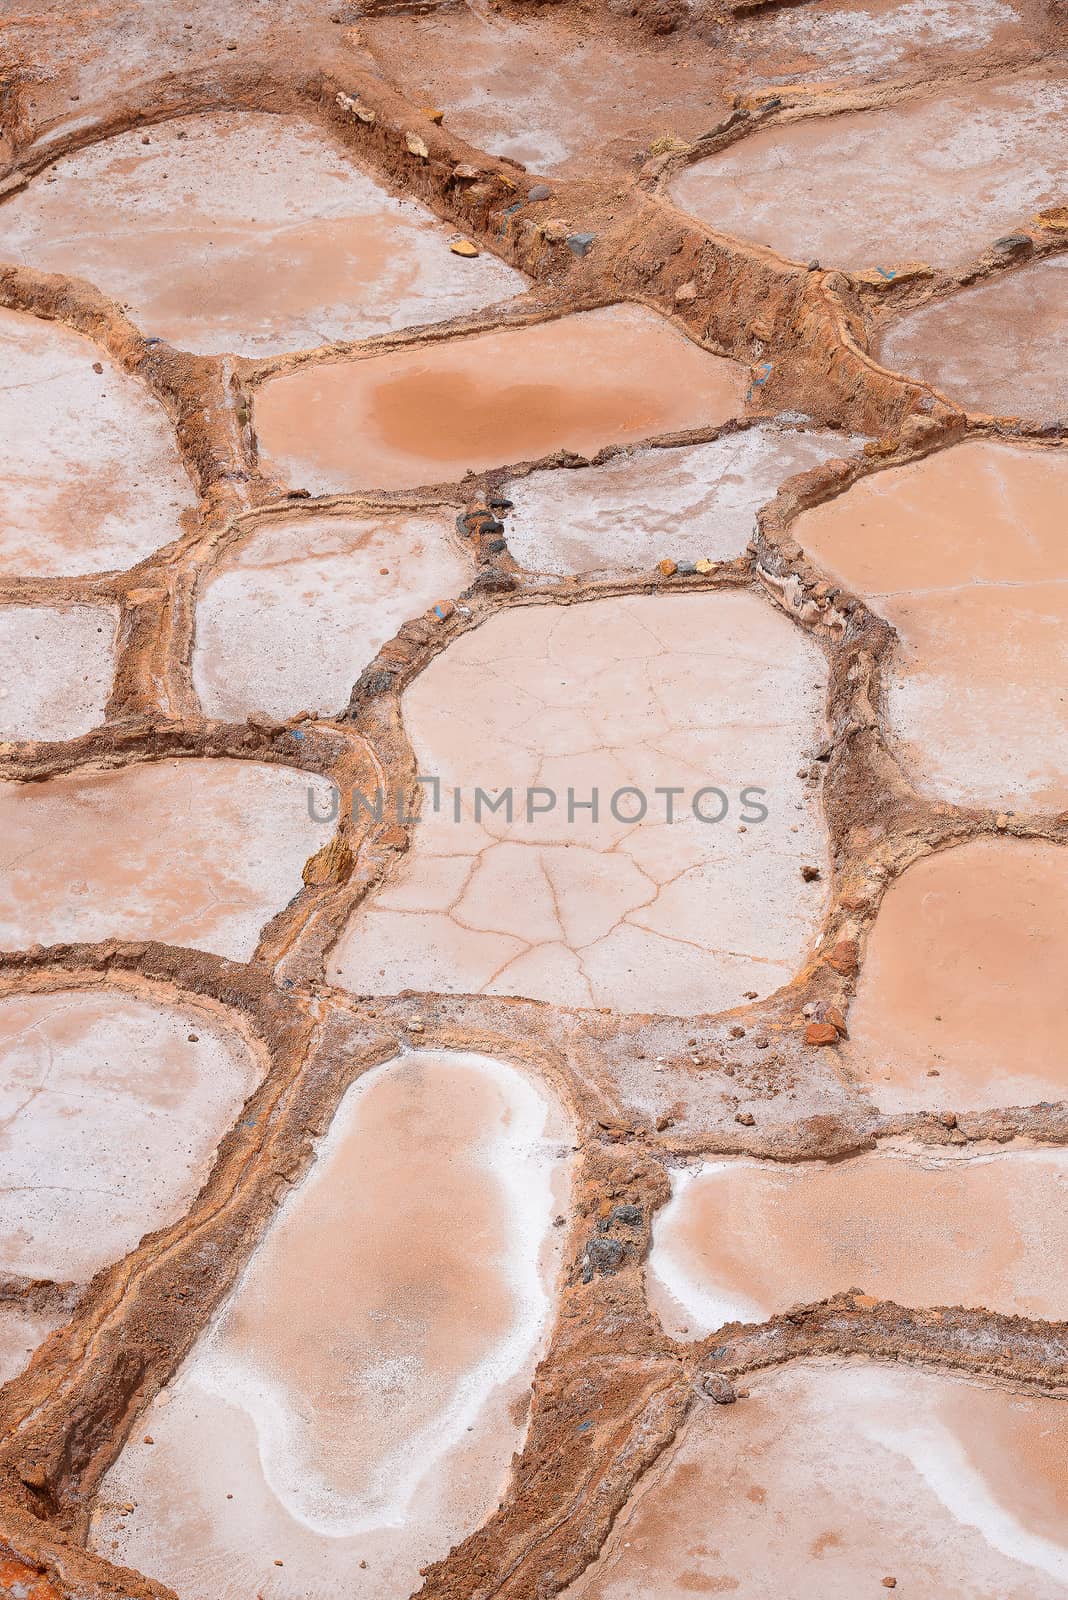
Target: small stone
{"type": "Point", "coordinates": [149, 1439]}
{"type": "Point", "coordinates": [98, 366]}
{"type": "Point", "coordinates": [666, 568]}
{"type": "Point", "coordinates": [933, 1072]}
{"type": "Point", "coordinates": [948, 1119]}
{"type": "Point", "coordinates": [463, 247]}
{"type": "Point", "coordinates": [1002, 823]}
{"type": "Point", "coordinates": [540, 191]}
{"type": "Point", "coordinates": [664, 1122]}
{"type": "Point", "coordinates": [813, 266]}
{"type": "Point", "coordinates": [629, 1215]}
{"type": "Point", "coordinates": [416, 145]}
{"type": "Point", "coordinates": [687, 567]}
{"type": "Point", "coordinates": [278, 1563]}
{"type": "Point", "coordinates": [821, 1033]}
{"type": "Point", "coordinates": [737, 1032]}
{"type": "Point", "coordinates": [836, 1020]}
{"type": "Point", "coordinates": [687, 292]}
{"type": "Point", "coordinates": [443, 610]}
{"type": "Point", "coordinates": [718, 1388]}
{"type": "Point", "coordinates": [746, 1118]}
{"type": "Point", "coordinates": [193, 1038]}
{"type": "Point", "coordinates": [889, 1583]}
{"type": "Point", "coordinates": [415, 1025]}
{"type": "Point", "coordinates": [704, 565]}
{"type": "Point", "coordinates": [843, 957]}
{"type": "Point", "coordinates": [579, 243]}
{"type": "Point", "coordinates": [436, 117]}
{"type": "Point", "coordinates": [810, 874]}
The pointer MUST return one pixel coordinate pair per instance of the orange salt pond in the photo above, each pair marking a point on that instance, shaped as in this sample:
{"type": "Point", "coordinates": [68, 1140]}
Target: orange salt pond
{"type": "Point", "coordinates": [359, 1398]}
{"type": "Point", "coordinates": [961, 1001]}
{"type": "Point", "coordinates": [964, 553]}
{"type": "Point", "coordinates": [90, 476]}
{"type": "Point", "coordinates": [936, 179]}
{"type": "Point", "coordinates": [246, 232]}
{"type": "Point", "coordinates": [191, 852]}
{"type": "Point", "coordinates": [742, 1240]}
{"type": "Point", "coordinates": [696, 693]}
{"type": "Point", "coordinates": [998, 347]}
{"type": "Point", "coordinates": [834, 1475]}
{"type": "Point", "coordinates": [290, 618]}
{"type": "Point", "coordinates": [431, 413]}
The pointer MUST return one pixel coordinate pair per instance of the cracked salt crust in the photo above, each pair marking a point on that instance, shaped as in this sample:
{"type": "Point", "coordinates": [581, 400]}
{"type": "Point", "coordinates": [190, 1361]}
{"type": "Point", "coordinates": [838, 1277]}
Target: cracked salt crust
{"type": "Point", "coordinates": [359, 1397]}
{"type": "Point", "coordinates": [246, 232]}
{"type": "Point", "coordinates": [90, 478]}
{"type": "Point", "coordinates": [833, 1476]}
{"type": "Point", "coordinates": [109, 1117]}
{"type": "Point", "coordinates": [961, 1000]}
{"type": "Point", "coordinates": [964, 553]}
{"type": "Point", "coordinates": [432, 413]}
{"type": "Point", "coordinates": [687, 691]}
{"type": "Point", "coordinates": [936, 178]}
{"type": "Point", "coordinates": [999, 347]}
{"type": "Point", "coordinates": [746, 1240]}
{"type": "Point", "coordinates": [629, 512]}
{"type": "Point", "coordinates": [287, 622]}
{"type": "Point", "coordinates": [197, 852]}
{"type": "Point", "coordinates": [55, 669]}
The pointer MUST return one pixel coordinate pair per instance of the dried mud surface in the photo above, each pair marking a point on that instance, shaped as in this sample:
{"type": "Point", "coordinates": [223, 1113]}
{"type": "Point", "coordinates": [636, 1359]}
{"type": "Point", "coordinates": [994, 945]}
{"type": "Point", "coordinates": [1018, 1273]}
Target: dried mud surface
{"type": "Point", "coordinates": [158, 853]}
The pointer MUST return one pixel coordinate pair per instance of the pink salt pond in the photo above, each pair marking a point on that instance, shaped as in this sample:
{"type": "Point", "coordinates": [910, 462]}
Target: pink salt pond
{"type": "Point", "coordinates": [961, 1001]}
{"type": "Point", "coordinates": [964, 553]}
{"type": "Point", "coordinates": [937, 178]}
{"type": "Point", "coordinates": [833, 1476]}
{"type": "Point", "coordinates": [294, 613]}
{"type": "Point", "coordinates": [353, 1410]}
{"type": "Point", "coordinates": [553, 94]}
{"type": "Point", "coordinates": [55, 669]}
{"type": "Point", "coordinates": [699, 501]}
{"type": "Point", "coordinates": [696, 693]}
{"type": "Point", "coordinates": [111, 1107]}
{"type": "Point", "coordinates": [743, 1240]}
{"type": "Point", "coordinates": [90, 476]}
{"type": "Point", "coordinates": [246, 232]}
{"type": "Point", "coordinates": [999, 347]}
{"type": "Point", "coordinates": [433, 412]}
{"type": "Point", "coordinates": [191, 852]}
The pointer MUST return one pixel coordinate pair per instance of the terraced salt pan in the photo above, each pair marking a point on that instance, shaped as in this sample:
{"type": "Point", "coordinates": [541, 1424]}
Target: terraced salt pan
{"type": "Point", "coordinates": [55, 669]}
{"type": "Point", "coordinates": [935, 179]}
{"type": "Point", "coordinates": [296, 612]}
{"type": "Point", "coordinates": [110, 1111]}
{"type": "Point", "coordinates": [743, 1240]}
{"type": "Point", "coordinates": [196, 852]}
{"type": "Point", "coordinates": [434, 412]}
{"type": "Point", "coordinates": [360, 1396]}
{"type": "Point", "coordinates": [246, 232]}
{"type": "Point", "coordinates": [688, 692]}
{"type": "Point", "coordinates": [961, 1000]}
{"type": "Point", "coordinates": [633, 510]}
{"type": "Point", "coordinates": [999, 347]}
{"type": "Point", "coordinates": [90, 477]}
{"type": "Point", "coordinates": [964, 553]}
{"type": "Point", "coordinates": [834, 1476]}
{"type": "Point", "coordinates": [551, 95]}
